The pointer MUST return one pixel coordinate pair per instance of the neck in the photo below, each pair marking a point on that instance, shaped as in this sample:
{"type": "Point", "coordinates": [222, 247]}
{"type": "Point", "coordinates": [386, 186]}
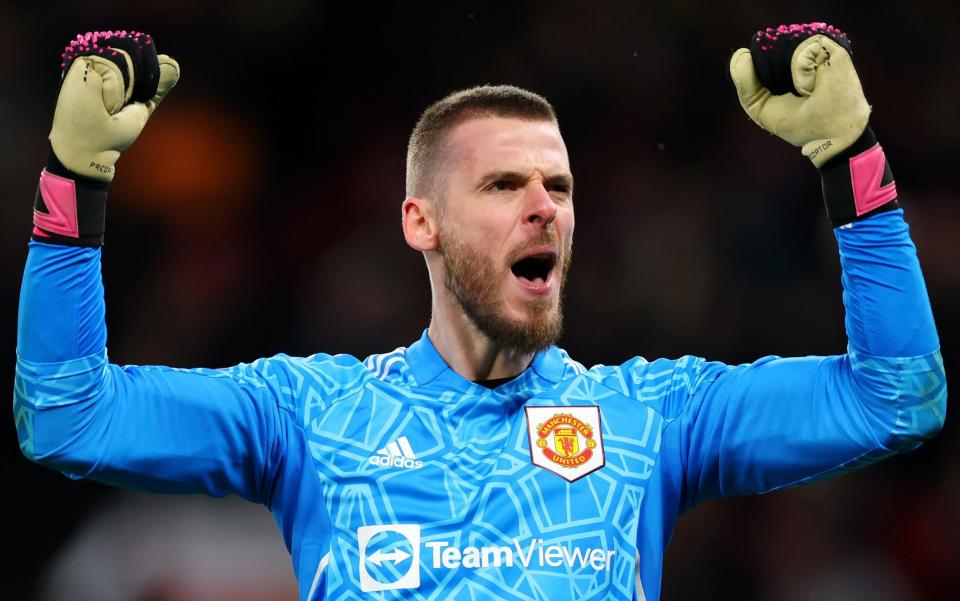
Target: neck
{"type": "Point", "coordinates": [471, 353]}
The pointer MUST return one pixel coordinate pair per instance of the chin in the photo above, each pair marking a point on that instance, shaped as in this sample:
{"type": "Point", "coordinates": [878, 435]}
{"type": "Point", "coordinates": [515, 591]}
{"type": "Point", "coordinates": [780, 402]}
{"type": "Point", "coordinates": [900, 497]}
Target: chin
{"type": "Point", "coordinates": [533, 331]}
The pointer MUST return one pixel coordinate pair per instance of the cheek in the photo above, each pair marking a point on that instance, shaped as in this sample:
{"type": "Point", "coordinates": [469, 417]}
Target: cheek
{"type": "Point", "coordinates": [487, 232]}
{"type": "Point", "coordinates": [477, 241]}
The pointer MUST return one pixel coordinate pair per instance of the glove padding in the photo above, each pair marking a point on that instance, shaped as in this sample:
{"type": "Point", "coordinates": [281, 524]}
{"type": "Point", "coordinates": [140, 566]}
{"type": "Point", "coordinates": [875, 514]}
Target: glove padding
{"type": "Point", "coordinates": [798, 82]}
{"type": "Point", "coordinates": [112, 83]}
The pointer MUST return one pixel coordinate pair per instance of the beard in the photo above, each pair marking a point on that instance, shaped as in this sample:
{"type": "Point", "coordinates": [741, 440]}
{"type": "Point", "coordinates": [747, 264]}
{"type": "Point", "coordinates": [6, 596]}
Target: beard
{"type": "Point", "coordinates": [475, 282]}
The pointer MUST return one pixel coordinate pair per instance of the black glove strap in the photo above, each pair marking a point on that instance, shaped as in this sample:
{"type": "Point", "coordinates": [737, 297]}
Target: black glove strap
{"type": "Point", "coordinates": [91, 209]}
{"type": "Point", "coordinates": [858, 183]}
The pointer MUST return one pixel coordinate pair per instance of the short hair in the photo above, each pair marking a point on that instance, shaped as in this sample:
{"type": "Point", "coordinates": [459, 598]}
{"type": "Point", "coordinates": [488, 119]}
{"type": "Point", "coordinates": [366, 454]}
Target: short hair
{"type": "Point", "coordinates": [429, 135]}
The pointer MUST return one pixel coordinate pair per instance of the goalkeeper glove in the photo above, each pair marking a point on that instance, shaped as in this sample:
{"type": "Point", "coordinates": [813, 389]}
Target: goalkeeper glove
{"type": "Point", "coordinates": [112, 83]}
{"type": "Point", "coordinates": [799, 83]}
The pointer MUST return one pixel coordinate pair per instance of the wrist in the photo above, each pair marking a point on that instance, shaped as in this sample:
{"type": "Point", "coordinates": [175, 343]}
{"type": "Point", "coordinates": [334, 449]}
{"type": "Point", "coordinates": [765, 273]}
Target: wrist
{"type": "Point", "coordinates": [858, 182]}
{"type": "Point", "coordinates": [69, 208]}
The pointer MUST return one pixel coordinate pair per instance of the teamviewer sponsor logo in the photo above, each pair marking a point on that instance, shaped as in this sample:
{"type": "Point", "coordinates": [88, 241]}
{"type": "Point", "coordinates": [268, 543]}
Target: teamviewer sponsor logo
{"type": "Point", "coordinates": [531, 553]}
{"type": "Point", "coordinates": [398, 454]}
{"type": "Point", "coordinates": [390, 556]}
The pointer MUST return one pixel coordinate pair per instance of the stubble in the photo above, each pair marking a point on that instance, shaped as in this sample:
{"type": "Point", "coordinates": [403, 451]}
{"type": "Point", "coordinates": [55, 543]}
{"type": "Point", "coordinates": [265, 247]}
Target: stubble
{"type": "Point", "coordinates": [475, 282]}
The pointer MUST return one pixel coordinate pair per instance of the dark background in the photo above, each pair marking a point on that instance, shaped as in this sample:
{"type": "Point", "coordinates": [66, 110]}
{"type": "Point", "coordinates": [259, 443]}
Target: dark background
{"type": "Point", "coordinates": [259, 213]}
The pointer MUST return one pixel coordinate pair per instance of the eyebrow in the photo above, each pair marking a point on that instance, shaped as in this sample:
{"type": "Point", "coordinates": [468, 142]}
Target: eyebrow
{"type": "Point", "coordinates": [563, 179]}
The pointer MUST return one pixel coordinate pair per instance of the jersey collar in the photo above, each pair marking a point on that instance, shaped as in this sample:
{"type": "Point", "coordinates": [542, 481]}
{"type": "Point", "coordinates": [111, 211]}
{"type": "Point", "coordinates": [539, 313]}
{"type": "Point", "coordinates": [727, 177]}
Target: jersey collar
{"type": "Point", "coordinates": [428, 367]}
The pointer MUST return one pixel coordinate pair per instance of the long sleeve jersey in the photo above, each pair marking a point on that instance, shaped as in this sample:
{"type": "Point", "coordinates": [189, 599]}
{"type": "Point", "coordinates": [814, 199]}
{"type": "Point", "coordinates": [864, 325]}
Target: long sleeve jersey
{"type": "Point", "coordinates": [396, 478]}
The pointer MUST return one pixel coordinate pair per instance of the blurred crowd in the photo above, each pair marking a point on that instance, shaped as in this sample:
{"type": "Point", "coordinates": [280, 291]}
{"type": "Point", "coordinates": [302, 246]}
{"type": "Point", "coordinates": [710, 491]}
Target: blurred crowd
{"type": "Point", "coordinates": [259, 213]}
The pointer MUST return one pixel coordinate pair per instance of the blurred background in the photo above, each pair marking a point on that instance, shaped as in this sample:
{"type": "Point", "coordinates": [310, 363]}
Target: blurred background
{"type": "Point", "coordinates": [259, 213]}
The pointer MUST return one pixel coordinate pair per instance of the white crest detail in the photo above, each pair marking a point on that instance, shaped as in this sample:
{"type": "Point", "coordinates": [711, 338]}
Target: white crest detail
{"type": "Point", "coordinates": [565, 440]}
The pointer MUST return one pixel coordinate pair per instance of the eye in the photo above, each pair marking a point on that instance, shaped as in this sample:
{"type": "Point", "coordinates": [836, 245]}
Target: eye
{"type": "Point", "coordinates": [561, 191]}
{"type": "Point", "coordinates": [502, 185]}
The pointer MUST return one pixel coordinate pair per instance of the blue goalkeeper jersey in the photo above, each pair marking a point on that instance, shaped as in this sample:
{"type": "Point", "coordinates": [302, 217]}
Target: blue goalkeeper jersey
{"type": "Point", "coordinates": [394, 477]}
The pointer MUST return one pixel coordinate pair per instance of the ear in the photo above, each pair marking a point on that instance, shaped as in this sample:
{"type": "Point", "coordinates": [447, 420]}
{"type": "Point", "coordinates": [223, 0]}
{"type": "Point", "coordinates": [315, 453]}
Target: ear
{"type": "Point", "coordinates": [420, 227]}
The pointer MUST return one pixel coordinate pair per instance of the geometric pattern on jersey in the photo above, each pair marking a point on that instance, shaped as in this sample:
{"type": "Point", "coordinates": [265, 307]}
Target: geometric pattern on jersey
{"type": "Point", "coordinates": [477, 487]}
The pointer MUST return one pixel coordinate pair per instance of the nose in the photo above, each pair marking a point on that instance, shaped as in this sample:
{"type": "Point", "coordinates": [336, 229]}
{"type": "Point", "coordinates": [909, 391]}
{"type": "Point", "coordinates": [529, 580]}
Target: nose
{"type": "Point", "coordinates": [540, 208]}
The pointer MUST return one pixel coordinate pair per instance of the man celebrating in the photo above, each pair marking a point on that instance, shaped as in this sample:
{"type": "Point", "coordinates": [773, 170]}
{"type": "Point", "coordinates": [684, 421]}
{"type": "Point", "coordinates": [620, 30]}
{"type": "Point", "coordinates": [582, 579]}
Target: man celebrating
{"type": "Point", "coordinates": [481, 461]}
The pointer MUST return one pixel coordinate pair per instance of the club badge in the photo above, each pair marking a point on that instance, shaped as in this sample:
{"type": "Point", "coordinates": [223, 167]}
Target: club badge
{"type": "Point", "coordinates": [565, 440]}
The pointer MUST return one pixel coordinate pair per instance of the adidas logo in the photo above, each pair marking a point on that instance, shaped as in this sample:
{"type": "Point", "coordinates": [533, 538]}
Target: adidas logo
{"type": "Point", "coordinates": [398, 454]}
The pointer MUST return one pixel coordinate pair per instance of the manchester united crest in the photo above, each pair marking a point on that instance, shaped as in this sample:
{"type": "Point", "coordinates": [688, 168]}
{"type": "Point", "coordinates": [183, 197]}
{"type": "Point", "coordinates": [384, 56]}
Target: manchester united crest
{"type": "Point", "coordinates": [566, 440]}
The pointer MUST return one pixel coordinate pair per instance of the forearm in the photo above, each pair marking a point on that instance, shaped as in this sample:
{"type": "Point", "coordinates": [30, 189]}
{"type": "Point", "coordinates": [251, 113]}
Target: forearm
{"type": "Point", "coordinates": [887, 308]}
{"type": "Point", "coordinates": [61, 304]}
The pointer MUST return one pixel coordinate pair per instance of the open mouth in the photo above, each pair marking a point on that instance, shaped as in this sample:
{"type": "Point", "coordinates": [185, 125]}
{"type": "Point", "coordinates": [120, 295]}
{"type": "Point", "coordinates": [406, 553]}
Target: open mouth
{"type": "Point", "coordinates": [535, 269]}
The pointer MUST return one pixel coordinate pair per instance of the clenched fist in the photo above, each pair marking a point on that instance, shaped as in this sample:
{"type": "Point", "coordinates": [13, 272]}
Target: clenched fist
{"type": "Point", "coordinates": [798, 82]}
{"type": "Point", "coordinates": [112, 83]}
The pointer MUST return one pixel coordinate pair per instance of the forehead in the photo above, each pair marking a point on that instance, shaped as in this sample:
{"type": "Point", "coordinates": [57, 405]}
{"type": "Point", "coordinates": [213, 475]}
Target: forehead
{"type": "Point", "coordinates": [492, 143]}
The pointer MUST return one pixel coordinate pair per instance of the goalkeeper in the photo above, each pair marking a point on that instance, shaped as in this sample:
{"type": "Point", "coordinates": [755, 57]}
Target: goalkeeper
{"type": "Point", "coordinates": [482, 461]}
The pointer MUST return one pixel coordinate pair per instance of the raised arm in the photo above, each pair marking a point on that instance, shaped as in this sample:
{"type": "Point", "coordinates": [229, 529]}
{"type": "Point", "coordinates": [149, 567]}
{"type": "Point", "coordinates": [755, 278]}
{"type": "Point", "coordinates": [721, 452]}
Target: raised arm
{"type": "Point", "coordinates": [155, 428]}
{"type": "Point", "coordinates": [779, 422]}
